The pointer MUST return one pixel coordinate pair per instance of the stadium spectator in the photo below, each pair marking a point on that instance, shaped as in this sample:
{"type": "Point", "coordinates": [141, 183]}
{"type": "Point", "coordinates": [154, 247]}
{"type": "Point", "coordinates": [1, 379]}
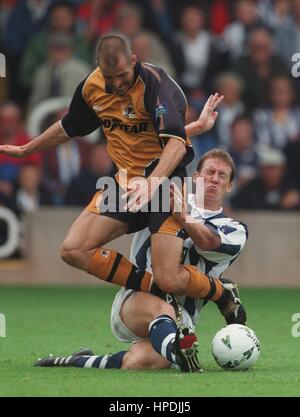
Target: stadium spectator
{"type": "Point", "coordinates": [258, 66]}
{"type": "Point", "coordinates": [235, 36]}
{"type": "Point", "coordinates": [197, 46]}
{"type": "Point", "coordinates": [7, 7]}
{"type": "Point", "coordinates": [160, 19]}
{"type": "Point", "coordinates": [82, 188]}
{"type": "Point", "coordinates": [275, 13]}
{"type": "Point", "coordinates": [219, 15]}
{"type": "Point", "coordinates": [287, 35]}
{"type": "Point", "coordinates": [61, 165]}
{"type": "Point", "coordinates": [230, 85]}
{"type": "Point", "coordinates": [25, 20]}
{"type": "Point", "coordinates": [292, 152]}
{"type": "Point", "coordinates": [97, 17]}
{"type": "Point", "coordinates": [129, 24]}
{"type": "Point", "coordinates": [271, 190]}
{"type": "Point", "coordinates": [145, 48]}
{"type": "Point", "coordinates": [60, 74]}
{"type": "Point", "coordinates": [129, 21]}
{"type": "Point", "coordinates": [12, 132]}
{"type": "Point", "coordinates": [243, 150]}
{"type": "Point", "coordinates": [159, 16]}
{"type": "Point", "coordinates": [279, 123]}
{"type": "Point", "coordinates": [62, 20]}
{"type": "Point", "coordinates": [30, 194]}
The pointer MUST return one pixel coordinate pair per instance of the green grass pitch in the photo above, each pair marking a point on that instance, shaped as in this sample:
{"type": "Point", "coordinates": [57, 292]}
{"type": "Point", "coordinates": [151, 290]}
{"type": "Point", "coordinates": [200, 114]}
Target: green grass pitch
{"type": "Point", "coordinates": [40, 321]}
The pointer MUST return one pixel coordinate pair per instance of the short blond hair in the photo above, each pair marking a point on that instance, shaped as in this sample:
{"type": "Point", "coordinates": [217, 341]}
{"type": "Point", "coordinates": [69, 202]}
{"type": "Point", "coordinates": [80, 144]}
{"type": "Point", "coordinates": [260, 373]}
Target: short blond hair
{"type": "Point", "coordinates": [218, 153]}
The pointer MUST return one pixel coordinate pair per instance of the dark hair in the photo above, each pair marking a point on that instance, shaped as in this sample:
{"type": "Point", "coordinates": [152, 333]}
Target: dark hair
{"type": "Point", "coordinates": [242, 117]}
{"type": "Point", "coordinates": [110, 47]}
{"type": "Point", "coordinates": [218, 154]}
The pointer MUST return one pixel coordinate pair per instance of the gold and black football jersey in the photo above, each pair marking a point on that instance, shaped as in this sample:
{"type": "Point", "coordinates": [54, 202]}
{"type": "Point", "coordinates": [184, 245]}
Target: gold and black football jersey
{"type": "Point", "coordinates": [136, 125]}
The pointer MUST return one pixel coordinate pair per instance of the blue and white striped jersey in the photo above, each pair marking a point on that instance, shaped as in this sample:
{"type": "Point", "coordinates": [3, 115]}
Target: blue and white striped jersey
{"type": "Point", "coordinates": [233, 235]}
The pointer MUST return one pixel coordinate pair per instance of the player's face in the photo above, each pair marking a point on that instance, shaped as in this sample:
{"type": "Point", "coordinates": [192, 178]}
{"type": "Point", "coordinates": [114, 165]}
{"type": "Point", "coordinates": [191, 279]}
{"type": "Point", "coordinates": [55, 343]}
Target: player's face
{"type": "Point", "coordinates": [216, 174]}
{"type": "Point", "coordinates": [120, 78]}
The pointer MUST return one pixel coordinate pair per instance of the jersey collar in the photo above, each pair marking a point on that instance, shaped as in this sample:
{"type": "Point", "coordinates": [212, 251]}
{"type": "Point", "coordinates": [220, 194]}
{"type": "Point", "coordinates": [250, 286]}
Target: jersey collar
{"type": "Point", "coordinates": [197, 211]}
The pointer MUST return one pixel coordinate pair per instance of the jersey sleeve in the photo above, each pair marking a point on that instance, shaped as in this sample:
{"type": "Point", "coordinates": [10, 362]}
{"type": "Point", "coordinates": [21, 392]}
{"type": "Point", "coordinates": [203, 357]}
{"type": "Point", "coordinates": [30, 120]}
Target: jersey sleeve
{"type": "Point", "coordinates": [166, 103]}
{"type": "Point", "coordinates": [233, 237]}
{"type": "Point", "coordinates": [80, 119]}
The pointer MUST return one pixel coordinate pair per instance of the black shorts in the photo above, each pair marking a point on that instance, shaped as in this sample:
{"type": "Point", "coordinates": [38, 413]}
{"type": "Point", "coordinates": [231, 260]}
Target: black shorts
{"type": "Point", "coordinates": [157, 216]}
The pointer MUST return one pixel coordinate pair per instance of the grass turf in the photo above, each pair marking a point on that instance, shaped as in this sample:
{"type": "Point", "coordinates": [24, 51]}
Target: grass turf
{"type": "Point", "coordinates": [40, 321]}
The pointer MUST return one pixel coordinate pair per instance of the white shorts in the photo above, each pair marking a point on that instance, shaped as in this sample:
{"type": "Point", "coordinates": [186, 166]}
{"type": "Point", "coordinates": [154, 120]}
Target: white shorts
{"type": "Point", "coordinates": [122, 332]}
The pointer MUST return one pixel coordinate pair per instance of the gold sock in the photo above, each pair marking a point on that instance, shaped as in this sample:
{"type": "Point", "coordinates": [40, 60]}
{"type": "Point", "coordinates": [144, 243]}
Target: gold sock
{"type": "Point", "coordinates": [111, 266]}
{"type": "Point", "coordinates": [201, 286]}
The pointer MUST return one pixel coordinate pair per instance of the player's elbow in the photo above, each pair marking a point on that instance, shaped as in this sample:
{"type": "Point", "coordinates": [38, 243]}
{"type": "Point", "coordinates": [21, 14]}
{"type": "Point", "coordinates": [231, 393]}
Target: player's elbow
{"type": "Point", "coordinates": [209, 243]}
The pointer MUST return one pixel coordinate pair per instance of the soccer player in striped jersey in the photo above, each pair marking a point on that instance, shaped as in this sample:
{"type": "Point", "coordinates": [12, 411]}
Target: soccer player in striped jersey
{"type": "Point", "coordinates": [214, 242]}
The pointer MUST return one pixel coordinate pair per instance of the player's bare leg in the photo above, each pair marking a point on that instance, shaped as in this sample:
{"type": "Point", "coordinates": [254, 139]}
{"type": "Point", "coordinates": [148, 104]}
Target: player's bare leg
{"type": "Point", "coordinates": [83, 249]}
{"type": "Point", "coordinates": [168, 274]}
{"type": "Point", "coordinates": [141, 355]}
{"type": "Point", "coordinates": [89, 232]}
{"type": "Point", "coordinates": [187, 280]}
{"type": "Point", "coordinates": [148, 316]}
{"type": "Point", "coordinates": [140, 309]}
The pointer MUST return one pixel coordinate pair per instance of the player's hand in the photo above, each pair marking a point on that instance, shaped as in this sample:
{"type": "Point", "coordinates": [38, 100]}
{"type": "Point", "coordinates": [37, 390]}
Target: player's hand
{"type": "Point", "coordinates": [140, 192]}
{"type": "Point", "coordinates": [14, 151]}
{"type": "Point", "coordinates": [178, 205]}
{"type": "Point", "coordinates": [208, 116]}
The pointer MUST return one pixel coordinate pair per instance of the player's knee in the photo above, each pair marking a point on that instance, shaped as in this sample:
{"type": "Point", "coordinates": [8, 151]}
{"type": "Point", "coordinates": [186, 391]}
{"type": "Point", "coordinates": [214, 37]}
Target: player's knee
{"type": "Point", "coordinates": [166, 281]}
{"type": "Point", "coordinates": [164, 309]}
{"type": "Point", "coordinates": [66, 254]}
{"type": "Point", "coordinates": [171, 280]}
{"type": "Point", "coordinates": [71, 256]}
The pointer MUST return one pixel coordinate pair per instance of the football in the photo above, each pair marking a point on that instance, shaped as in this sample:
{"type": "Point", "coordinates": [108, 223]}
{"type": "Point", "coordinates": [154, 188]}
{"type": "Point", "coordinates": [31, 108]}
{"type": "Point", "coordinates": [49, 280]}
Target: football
{"type": "Point", "coordinates": [235, 347]}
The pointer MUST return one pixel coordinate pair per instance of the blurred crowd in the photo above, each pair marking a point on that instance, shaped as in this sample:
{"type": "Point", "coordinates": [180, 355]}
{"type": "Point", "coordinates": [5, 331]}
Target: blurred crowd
{"type": "Point", "coordinates": [244, 49]}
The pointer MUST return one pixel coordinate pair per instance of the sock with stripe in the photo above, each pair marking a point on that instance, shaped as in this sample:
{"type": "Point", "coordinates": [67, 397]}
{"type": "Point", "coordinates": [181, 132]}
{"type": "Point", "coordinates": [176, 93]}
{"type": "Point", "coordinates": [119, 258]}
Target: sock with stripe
{"type": "Point", "coordinates": [111, 266]}
{"type": "Point", "coordinates": [110, 361]}
{"type": "Point", "coordinates": [162, 333]}
{"type": "Point", "coordinates": [202, 286]}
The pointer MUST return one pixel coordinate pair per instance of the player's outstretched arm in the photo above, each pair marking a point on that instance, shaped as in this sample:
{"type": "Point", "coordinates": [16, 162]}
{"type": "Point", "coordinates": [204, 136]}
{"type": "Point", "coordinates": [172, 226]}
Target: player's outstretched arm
{"type": "Point", "coordinates": [207, 117]}
{"type": "Point", "coordinates": [53, 136]}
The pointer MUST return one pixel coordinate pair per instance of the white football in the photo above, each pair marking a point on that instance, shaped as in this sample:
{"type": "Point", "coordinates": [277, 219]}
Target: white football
{"type": "Point", "coordinates": [235, 347]}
